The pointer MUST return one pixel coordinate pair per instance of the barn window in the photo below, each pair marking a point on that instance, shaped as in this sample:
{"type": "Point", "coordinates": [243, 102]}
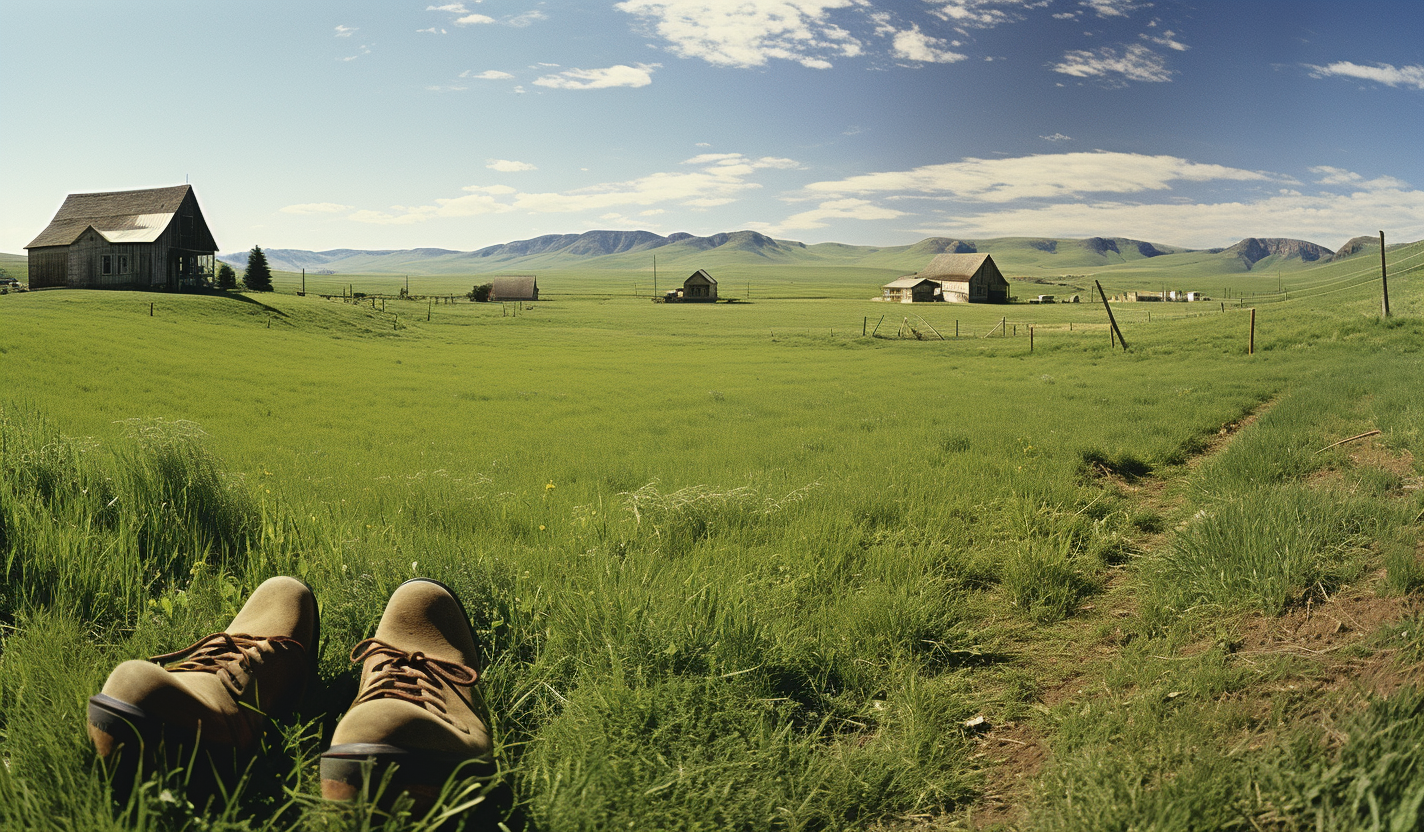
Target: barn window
{"type": "Point", "coordinates": [123, 265]}
{"type": "Point", "coordinates": [106, 264]}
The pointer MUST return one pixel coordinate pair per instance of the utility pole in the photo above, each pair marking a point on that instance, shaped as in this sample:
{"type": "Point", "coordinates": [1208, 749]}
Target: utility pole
{"type": "Point", "coordinates": [655, 275]}
{"type": "Point", "coordinates": [1384, 280]}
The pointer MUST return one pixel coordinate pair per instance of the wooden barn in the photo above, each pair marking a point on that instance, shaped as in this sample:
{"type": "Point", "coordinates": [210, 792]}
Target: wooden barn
{"type": "Point", "coordinates": [967, 278]}
{"type": "Point", "coordinates": [912, 289]}
{"type": "Point", "coordinates": [514, 287]}
{"type": "Point", "coordinates": [150, 239]}
{"type": "Point", "coordinates": [699, 287]}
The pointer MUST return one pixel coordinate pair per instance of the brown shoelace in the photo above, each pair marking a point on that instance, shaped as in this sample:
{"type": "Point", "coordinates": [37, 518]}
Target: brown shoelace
{"type": "Point", "coordinates": [216, 653]}
{"type": "Point", "coordinates": [412, 677]}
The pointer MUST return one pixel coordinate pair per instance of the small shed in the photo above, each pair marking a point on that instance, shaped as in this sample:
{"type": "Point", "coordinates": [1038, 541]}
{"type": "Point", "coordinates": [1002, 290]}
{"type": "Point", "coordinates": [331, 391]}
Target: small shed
{"type": "Point", "coordinates": [911, 289]}
{"type": "Point", "coordinates": [699, 287]}
{"type": "Point", "coordinates": [968, 278]}
{"type": "Point", "coordinates": [154, 238]}
{"type": "Point", "coordinates": [514, 287]}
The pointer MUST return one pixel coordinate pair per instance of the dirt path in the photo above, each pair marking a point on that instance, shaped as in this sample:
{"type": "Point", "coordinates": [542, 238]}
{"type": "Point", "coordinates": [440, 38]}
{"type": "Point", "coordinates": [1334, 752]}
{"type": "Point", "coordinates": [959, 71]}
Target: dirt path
{"type": "Point", "coordinates": [1336, 668]}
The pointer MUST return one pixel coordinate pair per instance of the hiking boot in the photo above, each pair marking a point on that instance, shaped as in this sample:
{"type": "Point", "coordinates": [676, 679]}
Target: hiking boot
{"type": "Point", "coordinates": [216, 694]}
{"type": "Point", "coordinates": [416, 707]}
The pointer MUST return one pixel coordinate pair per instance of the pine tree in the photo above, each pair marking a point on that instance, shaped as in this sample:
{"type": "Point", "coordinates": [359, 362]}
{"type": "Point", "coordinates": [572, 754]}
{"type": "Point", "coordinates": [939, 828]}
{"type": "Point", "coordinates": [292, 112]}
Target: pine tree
{"type": "Point", "coordinates": [227, 278]}
{"type": "Point", "coordinates": [258, 277]}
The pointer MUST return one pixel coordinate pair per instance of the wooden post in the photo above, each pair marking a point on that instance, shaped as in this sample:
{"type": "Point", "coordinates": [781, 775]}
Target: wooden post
{"type": "Point", "coordinates": [396, 323]}
{"type": "Point", "coordinates": [864, 324]}
{"type": "Point", "coordinates": [428, 310]}
{"type": "Point", "coordinates": [1251, 341]}
{"type": "Point", "coordinates": [1003, 329]}
{"type": "Point", "coordinates": [1030, 339]}
{"type": "Point", "coordinates": [1384, 280]}
{"type": "Point", "coordinates": [1111, 320]}
{"type": "Point", "coordinates": [956, 327]}
{"type": "Point", "coordinates": [304, 282]}
{"type": "Point", "coordinates": [877, 326]}
{"type": "Point", "coordinates": [150, 309]}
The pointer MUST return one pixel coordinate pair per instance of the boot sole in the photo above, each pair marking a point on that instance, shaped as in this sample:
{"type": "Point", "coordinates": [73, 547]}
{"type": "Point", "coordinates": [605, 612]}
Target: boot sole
{"type": "Point", "coordinates": [130, 741]}
{"type": "Point", "coordinates": [348, 771]}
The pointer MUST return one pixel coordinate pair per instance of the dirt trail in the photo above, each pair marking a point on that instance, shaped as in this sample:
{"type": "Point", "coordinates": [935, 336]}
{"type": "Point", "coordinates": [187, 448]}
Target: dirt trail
{"type": "Point", "coordinates": [1331, 675]}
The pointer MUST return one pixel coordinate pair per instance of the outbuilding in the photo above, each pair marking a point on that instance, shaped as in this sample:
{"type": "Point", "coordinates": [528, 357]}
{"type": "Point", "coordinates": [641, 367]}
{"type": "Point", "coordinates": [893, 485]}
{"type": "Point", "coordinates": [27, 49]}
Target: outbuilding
{"type": "Point", "coordinates": [967, 278]}
{"type": "Point", "coordinates": [514, 287]}
{"type": "Point", "coordinates": [911, 289]}
{"type": "Point", "coordinates": [699, 287]}
{"type": "Point", "coordinates": [148, 239]}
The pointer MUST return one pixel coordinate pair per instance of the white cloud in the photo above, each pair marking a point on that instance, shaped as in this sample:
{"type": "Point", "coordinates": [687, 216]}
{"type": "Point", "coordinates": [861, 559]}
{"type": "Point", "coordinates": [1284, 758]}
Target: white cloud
{"type": "Point", "coordinates": [527, 19]}
{"type": "Point", "coordinates": [836, 209]}
{"type": "Point", "coordinates": [749, 32]}
{"type": "Point", "coordinates": [1339, 176]}
{"type": "Point", "coordinates": [344, 31]}
{"type": "Point", "coordinates": [1057, 137]}
{"type": "Point", "coordinates": [473, 20]}
{"type": "Point", "coordinates": [715, 181]}
{"type": "Point", "coordinates": [914, 45]}
{"type": "Point", "coordinates": [509, 166]}
{"type": "Point", "coordinates": [1168, 39]}
{"type": "Point", "coordinates": [1404, 76]}
{"type": "Point", "coordinates": [1040, 176]}
{"type": "Point", "coordinates": [431, 31]}
{"type": "Point", "coordinates": [314, 208]}
{"type": "Point", "coordinates": [453, 8]}
{"type": "Point", "coordinates": [363, 50]}
{"type": "Point", "coordinates": [487, 75]}
{"type": "Point", "coordinates": [981, 14]}
{"type": "Point", "coordinates": [1113, 8]}
{"type": "Point", "coordinates": [597, 79]}
{"type": "Point", "coordinates": [1326, 218]}
{"type": "Point", "coordinates": [1135, 63]}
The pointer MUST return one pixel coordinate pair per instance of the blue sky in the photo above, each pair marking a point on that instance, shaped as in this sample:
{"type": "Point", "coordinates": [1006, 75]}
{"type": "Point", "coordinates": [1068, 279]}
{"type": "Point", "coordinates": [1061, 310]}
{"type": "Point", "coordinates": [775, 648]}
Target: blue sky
{"type": "Point", "coordinates": [396, 124]}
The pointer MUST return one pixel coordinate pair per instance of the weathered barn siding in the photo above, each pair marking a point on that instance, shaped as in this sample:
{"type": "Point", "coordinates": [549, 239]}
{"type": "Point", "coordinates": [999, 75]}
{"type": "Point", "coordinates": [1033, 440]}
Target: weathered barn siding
{"type": "Point", "coordinates": [699, 287]}
{"type": "Point", "coordinates": [154, 238]}
{"type": "Point", "coordinates": [516, 287]}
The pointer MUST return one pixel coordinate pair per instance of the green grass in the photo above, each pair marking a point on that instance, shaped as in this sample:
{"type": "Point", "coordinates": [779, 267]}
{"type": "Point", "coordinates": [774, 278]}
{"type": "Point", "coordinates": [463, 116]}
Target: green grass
{"type": "Point", "coordinates": [733, 566]}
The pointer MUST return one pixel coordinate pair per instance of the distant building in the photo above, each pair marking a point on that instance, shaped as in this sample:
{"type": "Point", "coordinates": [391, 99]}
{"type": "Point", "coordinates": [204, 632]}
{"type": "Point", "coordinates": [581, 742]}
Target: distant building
{"type": "Point", "coordinates": [699, 287]}
{"type": "Point", "coordinates": [912, 289]}
{"type": "Point", "coordinates": [514, 287]}
{"type": "Point", "coordinates": [956, 278]}
{"type": "Point", "coordinates": [149, 239]}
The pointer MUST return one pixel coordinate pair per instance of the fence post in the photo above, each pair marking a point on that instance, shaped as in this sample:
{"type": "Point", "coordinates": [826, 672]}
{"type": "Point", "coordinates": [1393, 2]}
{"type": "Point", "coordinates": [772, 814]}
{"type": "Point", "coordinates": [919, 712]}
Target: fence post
{"type": "Point", "coordinates": [1030, 339]}
{"type": "Point", "coordinates": [1251, 340]}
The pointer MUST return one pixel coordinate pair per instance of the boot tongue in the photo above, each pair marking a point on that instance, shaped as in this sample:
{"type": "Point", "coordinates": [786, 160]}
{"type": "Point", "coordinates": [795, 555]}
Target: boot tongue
{"type": "Point", "coordinates": [423, 617]}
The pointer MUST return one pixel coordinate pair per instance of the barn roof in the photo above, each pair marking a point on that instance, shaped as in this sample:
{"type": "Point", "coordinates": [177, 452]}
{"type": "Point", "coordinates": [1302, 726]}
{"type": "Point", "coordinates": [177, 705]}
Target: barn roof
{"type": "Point", "coordinates": [120, 216]}
{"type": "Point", "coordinates": [909, 281]}
{"type": "Point", "coordinates": [952, 266]}
{"type": "Point", "coordinates": [705, 276]}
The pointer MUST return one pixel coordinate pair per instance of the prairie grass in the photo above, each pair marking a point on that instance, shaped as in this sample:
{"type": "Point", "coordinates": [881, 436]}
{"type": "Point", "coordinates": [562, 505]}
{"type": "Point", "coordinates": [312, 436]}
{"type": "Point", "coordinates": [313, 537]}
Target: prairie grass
{"type": "Point", "coordinates": [728, 569]}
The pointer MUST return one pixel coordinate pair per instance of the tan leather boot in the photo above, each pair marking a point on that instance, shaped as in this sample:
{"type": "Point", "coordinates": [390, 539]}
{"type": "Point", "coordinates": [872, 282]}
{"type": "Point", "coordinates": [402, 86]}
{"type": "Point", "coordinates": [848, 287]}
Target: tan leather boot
{"type": "Point", "coordinates": [416, 707]}
{"type": "Point", "coordinates": [218, 693]}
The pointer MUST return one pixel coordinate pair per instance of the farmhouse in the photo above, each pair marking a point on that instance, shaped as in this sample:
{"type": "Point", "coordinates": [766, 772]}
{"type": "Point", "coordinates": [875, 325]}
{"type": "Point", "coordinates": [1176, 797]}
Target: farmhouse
{"type": "Point", "coordinates": [912, 289]}
{"type": "Point", "coordinates": [149, 239]}
{"type": "Point", "coordinates": [699, 287]}
{"type": "Point", "coordinates": [514, 287]}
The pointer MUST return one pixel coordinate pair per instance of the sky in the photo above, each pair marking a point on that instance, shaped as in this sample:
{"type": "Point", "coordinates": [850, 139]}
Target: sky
{"type": "Point", "coordinates": [316, 124]}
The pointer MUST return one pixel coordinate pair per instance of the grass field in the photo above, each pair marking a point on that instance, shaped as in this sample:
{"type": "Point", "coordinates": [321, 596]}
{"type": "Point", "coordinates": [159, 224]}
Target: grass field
{"type": "Point", "coordinates": [740, 566]}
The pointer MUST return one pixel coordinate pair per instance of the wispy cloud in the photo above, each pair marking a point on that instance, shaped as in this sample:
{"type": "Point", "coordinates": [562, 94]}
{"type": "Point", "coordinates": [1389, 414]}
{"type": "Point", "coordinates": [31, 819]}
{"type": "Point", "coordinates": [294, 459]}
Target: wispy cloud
{"type": "Point", "coordinates": [1040, 176]}
{"type": "Point", "coordinates": [1288, 213]}
{"type": "Point", "coordinates": [1134, 63]}
{"type": "Point", "coordinates": [1167, 39]}
{"type": "Point", "coordinates": [487, 75]}
{"type": "Point", "coordinates": [712, 179]}
{"type": "Point", "coordinates": [345, 31]}
{"type": "Point", "coordinates": [1113, 8]}
{"type": "Point", "coordinates": [821, 215]}
{"type": "Point", "coordinates": [473, 20]}
{"type": "Point", "coordinates": [529, 18]}
{"type": "Point", "coordinates": [750, 32]}
{"type": "Point", "coordinates": [315, 208]}
{"type": "Point", "coordinates": [981, 14]}
{"type": "Point", "coordinates": [914, 45]}
{"type": "Point", "coordinates": [1339, 176]}
{"type": "Point", "coordinates": [1387, 74]}
{"type": "Point", "coordinates": [431, 31]}
{"type": "Point", "coordinates": [509, 166]}
{"type": "Point", "coordinates": [1057, 137]}
{"type": "Point", "coordinates": [363, 49]}
{"type": "Point", "coordinates": [619, 75]}
{"type": "Point", "coordinates": [453, 8]}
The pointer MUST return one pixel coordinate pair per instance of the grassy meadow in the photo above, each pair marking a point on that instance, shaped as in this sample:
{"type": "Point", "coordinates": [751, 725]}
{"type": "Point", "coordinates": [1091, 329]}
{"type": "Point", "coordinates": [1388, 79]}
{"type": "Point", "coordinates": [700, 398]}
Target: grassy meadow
{"type": "Point", "coordinates": [739, 566]}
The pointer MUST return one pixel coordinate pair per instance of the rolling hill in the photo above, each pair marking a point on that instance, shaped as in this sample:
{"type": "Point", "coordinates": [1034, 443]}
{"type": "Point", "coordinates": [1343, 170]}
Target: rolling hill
{"type": "Point", "coordinates": [635, 251]}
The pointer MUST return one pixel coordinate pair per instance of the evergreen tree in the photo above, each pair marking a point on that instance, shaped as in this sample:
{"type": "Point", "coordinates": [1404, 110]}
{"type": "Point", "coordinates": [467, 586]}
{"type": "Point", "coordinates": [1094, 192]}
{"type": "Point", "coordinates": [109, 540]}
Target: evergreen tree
{"type": "Point", "coordinates": [258, 277]}
{"type": "Point", "coordinates": [227, 278]}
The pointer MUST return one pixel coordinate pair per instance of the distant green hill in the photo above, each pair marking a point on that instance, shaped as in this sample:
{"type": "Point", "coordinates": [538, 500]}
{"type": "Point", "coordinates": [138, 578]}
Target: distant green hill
{"type": "Point", "coordinates": [636, 250]}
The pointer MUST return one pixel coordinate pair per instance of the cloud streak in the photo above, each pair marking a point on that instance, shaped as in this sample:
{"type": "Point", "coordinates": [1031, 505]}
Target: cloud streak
{"type": "Point", "coordinates": [619, 75]}
{"type": "Point", "coordinates": [749, 33]}
{"type": "Point", "coordinates": [1134, 63]}
{"type": "Point", "coordinates": [1411, 77]}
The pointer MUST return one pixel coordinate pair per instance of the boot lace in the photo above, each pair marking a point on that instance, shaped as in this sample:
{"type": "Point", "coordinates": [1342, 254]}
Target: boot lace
{"type": "Point", "coordinates": [412, 677]}
{"type": "Point", "coordinates": [229, 655]}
